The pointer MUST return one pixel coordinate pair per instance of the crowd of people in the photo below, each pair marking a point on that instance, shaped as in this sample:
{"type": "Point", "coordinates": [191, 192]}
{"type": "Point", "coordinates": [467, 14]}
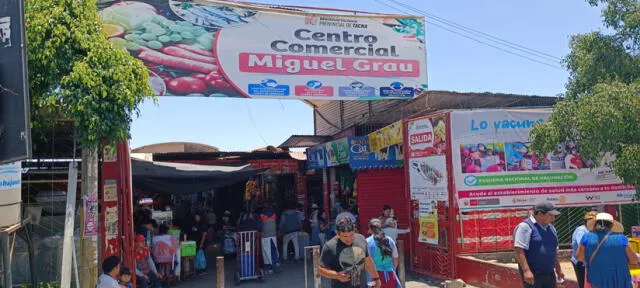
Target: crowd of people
{"type": "Point", "coordinates": [348, 255]}
{"type": "Point", "coordinates": [601, 254]}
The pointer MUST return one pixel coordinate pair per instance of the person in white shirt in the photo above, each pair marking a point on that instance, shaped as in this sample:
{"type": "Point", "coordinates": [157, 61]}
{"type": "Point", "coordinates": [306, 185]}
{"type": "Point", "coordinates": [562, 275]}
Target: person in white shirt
{"type": "Point", "coordinates": [111, 270]}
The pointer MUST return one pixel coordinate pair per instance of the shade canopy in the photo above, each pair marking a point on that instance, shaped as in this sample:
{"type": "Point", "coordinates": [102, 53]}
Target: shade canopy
{"type": "Point", "coordinates": [179, 178]}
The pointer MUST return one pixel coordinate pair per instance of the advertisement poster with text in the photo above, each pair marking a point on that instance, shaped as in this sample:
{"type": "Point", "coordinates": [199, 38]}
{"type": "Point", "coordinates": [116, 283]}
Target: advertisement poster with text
{"type": "Point", "coordinates": [223, 49]}
{"type": "Point", "coordinates": [428, 214]}
{"type": "Point", "coordinates": [427, 159]}
{"type": "Point", "coordinates": [494, 166]}
{"type": "Point", "coordinates": [386, 144]}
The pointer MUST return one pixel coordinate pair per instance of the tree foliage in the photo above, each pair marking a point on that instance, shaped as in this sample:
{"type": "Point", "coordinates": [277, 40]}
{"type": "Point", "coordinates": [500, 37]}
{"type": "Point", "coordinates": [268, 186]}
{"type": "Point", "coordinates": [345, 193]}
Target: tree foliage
{"type": "Point", "coordinates": [602, 107]}
{"type": "Point", "coordinates": [76, 74]}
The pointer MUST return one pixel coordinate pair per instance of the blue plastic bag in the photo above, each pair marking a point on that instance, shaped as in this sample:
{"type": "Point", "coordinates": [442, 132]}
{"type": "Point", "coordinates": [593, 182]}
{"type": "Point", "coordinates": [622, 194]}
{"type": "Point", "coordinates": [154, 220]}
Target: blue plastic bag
{"type": "Point", "coordinates": [201, 260]}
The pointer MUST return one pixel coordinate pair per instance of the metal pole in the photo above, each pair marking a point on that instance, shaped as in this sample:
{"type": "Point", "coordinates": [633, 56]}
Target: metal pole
{"type": "Point", "coordinates": [306, 274]}
{"type": "Point", "coordinates": [220, 272]}
{"type": "Point", "coordinates": [401, 272]}
{"type": "Point", "coordinates": [67, 242]}
{"type": "Point", "coordinates": [317, 281]}
{"type": "Point", "coordinates": [6, 259]}
{"type": "Point", "coordinates": [75, 265]}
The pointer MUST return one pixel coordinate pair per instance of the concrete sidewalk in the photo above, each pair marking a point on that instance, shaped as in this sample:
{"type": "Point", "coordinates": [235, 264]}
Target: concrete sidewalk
{"type": "Point", "coordinates": [292, 275]}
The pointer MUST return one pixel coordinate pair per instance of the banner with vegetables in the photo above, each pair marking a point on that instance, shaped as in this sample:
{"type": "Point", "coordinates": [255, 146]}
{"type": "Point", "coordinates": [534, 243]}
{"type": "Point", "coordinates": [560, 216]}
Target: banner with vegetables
{"type": "Point", "coordinates": [222, 49]}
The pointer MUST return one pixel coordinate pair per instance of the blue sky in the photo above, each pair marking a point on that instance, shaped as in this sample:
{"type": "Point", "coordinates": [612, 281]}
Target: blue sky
{"type": "Point", "coordinates": [454, 63]}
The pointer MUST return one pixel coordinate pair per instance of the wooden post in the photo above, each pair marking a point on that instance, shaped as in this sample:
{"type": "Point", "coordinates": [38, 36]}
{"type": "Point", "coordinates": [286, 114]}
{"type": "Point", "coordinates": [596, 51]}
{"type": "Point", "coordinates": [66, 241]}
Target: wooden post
{"type": "Point", "coordinates": [317, 281]}
{"type": "Point", "coordinates": [401, 272]}
{"type": "Point", "coordinates": [220, 272]}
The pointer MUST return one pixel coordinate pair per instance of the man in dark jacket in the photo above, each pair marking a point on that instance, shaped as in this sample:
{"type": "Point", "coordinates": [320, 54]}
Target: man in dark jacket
{"type": "Point", "coordinates": [536, 247]}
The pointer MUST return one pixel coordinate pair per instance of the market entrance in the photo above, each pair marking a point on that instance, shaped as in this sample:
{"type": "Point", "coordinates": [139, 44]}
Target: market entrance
{"type": "Point", "coordinates": [190, 50]}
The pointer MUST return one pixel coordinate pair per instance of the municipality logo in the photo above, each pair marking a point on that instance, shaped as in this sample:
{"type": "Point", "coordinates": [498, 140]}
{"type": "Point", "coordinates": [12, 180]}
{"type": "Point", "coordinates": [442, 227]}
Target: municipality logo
{"type": "Point", "coordinates": [269, 83]}
{"type": "Point", "coordinates": [471, 180]}
{"type": "Point", "coordinates": [314, 84]}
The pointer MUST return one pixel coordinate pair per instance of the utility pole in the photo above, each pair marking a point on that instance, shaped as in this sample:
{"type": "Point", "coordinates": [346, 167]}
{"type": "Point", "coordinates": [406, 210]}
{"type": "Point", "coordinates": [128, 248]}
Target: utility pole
{"type": "Point", "coordinates": [88, 239]}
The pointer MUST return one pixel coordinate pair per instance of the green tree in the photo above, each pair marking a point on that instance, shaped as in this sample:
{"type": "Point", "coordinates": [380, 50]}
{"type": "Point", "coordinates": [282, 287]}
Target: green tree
{"type": "Point", "coordinates": [76, 74]}
{"type": "Point", "coordinates": [601, 110]}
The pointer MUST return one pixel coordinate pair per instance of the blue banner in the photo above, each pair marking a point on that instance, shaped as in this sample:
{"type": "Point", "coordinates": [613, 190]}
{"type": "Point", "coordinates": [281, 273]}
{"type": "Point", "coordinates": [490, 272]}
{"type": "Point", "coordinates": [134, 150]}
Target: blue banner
{"type": "Point", "coordinates": [361, 157]}
{"type": "Point", "coordinates": [317, 157]}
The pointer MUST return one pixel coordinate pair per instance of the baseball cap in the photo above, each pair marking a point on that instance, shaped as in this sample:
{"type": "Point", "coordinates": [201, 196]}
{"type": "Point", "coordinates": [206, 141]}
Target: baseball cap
{"type": "Point", "coordinates": [140, 238]}
{"type": "Point", "coordinates": [546, 207]}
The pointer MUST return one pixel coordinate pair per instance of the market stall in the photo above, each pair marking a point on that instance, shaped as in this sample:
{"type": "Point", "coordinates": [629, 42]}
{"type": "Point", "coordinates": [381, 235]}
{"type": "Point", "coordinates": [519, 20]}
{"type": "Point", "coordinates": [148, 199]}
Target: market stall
{"type": "Point", "coordinates": [361, 178]}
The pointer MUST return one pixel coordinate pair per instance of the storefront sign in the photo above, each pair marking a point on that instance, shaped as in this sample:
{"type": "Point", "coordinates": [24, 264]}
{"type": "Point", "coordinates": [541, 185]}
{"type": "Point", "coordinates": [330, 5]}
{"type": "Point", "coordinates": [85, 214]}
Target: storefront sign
{"type": "Point", "coordinates": [428, 213]}
{"type": "Point", "coordinates": [337, 152]}
{"type": "Point", "coordinates": [361, 157]}
{"type": "Point", "coordinates": [280, 166]}
{"type": "Point", "coordinates": [387, 144]}
{"type": "Point", "coordinates": [199, 48]}
{"type": "Point", "coordinates": [494, 166]}
{"type": "Point", "coordinates": [316, 157]}
{"type": "Point", "coordinates": [426, 137]}
{"type": "Point", "coordinates": [390, 135]}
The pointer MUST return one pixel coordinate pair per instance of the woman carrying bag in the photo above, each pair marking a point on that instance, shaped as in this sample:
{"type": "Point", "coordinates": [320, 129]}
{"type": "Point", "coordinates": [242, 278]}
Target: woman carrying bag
{"type": "Point", "coordinates": [384, 253]}
{"type": "Point", "coordinates": [606, 254]}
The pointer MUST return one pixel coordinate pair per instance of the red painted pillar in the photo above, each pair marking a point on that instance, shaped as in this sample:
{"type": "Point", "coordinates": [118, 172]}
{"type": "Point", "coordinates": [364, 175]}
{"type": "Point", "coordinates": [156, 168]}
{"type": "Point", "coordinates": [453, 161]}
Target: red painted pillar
{"type": "Point", "coordinates": [126, 205]}
{"type": "Point", "coordinates": [116, 215]}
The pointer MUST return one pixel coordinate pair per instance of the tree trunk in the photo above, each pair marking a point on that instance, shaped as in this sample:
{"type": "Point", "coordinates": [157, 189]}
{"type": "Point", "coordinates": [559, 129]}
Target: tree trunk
{"type": "Point", "coordinates": [88, 243]}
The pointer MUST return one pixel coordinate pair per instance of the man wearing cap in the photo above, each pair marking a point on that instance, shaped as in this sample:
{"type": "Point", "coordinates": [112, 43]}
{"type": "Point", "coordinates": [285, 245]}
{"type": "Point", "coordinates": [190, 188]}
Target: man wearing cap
{"type": "Point", "coordinates": [578, 266]}
{"type": "Point", "coordinates": [536, 247]}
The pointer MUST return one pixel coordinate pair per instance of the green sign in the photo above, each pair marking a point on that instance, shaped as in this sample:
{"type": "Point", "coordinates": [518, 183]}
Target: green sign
{"type": "Point", "coordinates": [337, 152]}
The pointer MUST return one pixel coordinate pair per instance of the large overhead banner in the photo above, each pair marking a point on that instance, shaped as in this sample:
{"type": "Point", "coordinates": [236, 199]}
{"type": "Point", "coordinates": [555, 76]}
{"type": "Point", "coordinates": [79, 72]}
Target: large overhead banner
{"type": "Point", "coordinates": [494, 167]}
{"type": "Point", "coordinates": [222, 49]}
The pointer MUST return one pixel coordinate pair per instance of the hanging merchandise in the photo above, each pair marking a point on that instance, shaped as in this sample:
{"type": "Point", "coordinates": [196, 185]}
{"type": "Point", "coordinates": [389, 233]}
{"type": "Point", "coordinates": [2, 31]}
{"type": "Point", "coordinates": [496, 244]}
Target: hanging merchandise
{"type": "Point", "coordinates": [252, 189]}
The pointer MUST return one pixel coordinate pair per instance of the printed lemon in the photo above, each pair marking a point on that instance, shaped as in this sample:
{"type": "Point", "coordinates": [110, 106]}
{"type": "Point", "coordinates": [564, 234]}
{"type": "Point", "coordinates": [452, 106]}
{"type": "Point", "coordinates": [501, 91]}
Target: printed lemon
{"type": "Point", "coordinates": [113, 30]}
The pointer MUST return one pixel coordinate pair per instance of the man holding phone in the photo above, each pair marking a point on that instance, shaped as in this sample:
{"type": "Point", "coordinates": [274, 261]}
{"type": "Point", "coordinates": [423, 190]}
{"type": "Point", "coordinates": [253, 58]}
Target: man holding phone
{"type": "Point", "coordinates": [345, 257]}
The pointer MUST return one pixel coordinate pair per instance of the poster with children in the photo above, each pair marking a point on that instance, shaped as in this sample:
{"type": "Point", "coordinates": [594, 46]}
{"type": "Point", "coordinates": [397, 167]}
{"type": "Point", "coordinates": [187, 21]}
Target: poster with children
{"type": "Point", "coordinates": [495, 167]}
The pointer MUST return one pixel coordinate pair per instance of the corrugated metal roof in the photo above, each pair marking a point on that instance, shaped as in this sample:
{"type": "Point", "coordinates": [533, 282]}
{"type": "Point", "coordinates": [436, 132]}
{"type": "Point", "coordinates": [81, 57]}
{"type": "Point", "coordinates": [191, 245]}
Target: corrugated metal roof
{"type": "Point", "coordinates": [304, 141]}
{"type": "Point", "coordinates": [383, 112]}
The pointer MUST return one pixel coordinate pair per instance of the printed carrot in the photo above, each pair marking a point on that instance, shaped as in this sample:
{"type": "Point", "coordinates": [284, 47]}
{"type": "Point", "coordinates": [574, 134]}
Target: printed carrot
{"type": "Point", "coordinates": [183, 53]}
{"type": "Point", "coordinates": [196, 50]}
{"type": "Point", "coordinates": [176, 62]}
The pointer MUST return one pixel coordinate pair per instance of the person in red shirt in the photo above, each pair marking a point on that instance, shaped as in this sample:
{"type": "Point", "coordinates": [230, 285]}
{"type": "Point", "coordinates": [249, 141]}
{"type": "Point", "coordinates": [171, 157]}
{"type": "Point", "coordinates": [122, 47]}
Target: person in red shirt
{"type": "Point", "coordinates": [146, 272]}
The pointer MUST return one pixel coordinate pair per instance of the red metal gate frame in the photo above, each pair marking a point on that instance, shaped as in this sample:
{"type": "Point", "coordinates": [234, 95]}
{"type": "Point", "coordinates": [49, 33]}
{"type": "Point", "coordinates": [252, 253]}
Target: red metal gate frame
{"type": "Point", "coordinates": [451, 223]}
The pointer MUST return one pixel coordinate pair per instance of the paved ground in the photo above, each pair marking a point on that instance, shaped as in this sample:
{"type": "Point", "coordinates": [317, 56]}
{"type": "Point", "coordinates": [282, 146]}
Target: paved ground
{"type": "Point", "coordinates": [291, 276]}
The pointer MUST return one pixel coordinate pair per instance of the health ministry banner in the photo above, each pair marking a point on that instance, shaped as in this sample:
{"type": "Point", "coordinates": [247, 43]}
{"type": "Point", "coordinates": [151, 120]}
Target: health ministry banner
{"type": "Point", "coordinates": [494, 166]}
{"type": "Point", "coordinates": [222, 49]}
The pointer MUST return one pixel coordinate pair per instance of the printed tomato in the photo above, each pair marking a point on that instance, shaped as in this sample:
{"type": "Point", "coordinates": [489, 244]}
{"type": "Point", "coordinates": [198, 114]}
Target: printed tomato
{"type": "Point", "coordinates": [186, 85]}
{"type": "Point", "coordinates": [222, 84]}
{"type": "Point", "coordinates": [200, 76]}
{"type": "Point", "coordinates": [212, 78]}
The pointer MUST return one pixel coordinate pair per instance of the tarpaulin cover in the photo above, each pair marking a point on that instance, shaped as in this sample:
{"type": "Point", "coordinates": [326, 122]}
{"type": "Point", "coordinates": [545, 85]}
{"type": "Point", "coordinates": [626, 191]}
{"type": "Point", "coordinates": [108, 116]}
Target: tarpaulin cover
{"type": "Point", "coordinates": [178, 178]}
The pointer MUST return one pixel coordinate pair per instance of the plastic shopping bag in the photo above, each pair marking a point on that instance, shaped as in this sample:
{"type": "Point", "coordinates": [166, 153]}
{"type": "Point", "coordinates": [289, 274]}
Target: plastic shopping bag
{"type": "Point", "coordinates": [201, 260]}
